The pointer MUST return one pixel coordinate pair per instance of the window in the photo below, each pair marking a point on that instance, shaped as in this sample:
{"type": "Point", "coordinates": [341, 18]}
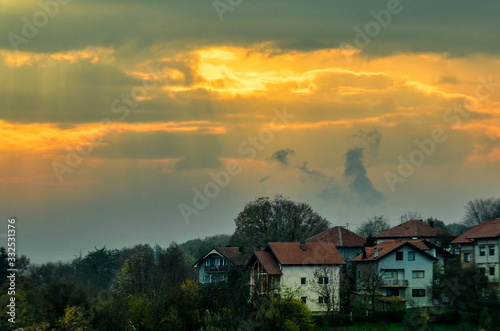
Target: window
{"type": "Point", "coordinates": [399, 256]}
{"type": "Point", "coordinates": [482, 271]}
{"type": "Point", "coordinates": [392, 292]}
{"type": "Point", "coordinates": [323, 281]}
{"type": "Point", "coordinates": [466, 257]}
{"type": "Point", "coordinates": [303, 299]}
{"type": "Point", "coordinates": [418, 293]}
{"type": "Point", "coordinates": [482, 251]}
{"type": "Point", "coordinates": [411, 256]}
{"type": "Point", "coordinates": [207, 279]}
{"type": "Point", "coordinates": [492, 271]}
{"type": "Point", "coordinates": [492, 250]}
{"type": "Point", "coordinates": [418, 274]}
{"type": "Point", "coordinates": [389, 274]}
{"type": "Point", "coordinates": [323, 300]}
{"type": "Point", "coordinates": [207, 262]}
{"type": "Point", "coordinates": [303, 281]}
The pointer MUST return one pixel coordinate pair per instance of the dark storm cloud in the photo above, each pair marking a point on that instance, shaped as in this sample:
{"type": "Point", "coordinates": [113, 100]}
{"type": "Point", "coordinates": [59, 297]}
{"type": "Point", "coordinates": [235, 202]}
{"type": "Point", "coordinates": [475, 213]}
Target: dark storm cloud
{"type": "Point", "coordinates": [360, 184]}
{"type": "Point", "coordinates": [371, 138]}
{"type": "Point", "coordinates": [281, 156]}
{"type": "Point", "coordinates": [423, 26]}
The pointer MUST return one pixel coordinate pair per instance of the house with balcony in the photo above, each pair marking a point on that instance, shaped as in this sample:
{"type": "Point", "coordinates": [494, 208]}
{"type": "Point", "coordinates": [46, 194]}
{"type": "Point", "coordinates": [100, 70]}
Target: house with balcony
{"type": "Point", "coordinates": [312, 269]}
{"type": "Point", "coordinates": [479, 246]}
{"type": "Point", "coordinates": [215, 265]}
{"type": "Point", "coordinates": [399, 270]}
{"type": "Point", "coordinates": [414, 229]}
{"type": "Point", "coordinates": [348, 243]}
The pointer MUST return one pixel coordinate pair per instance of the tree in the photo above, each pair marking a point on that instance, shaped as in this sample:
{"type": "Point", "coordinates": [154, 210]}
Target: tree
{"type": "Point", "coordinates": [284, 312]}
{"type": "Point", "coordinates": [98, 267]}
{"type": "Point", "coordinates": [410, 215]}
{"type": "Point", "coordinates": [266, 220]}
{"type": "Point", "coordinates": [479, 210]}
{"type": "Point", "coordinates": [137, 276]}
{"type": "Point", "coordinates": [173, 265]}
{"type": "Point", "coordinates": [327, 289]}
{"type": "Point", "coordinates": [456, 228]}
{"type": "Point", "coordinates": [435, 223]}
{"type": "Point", "coordinates": [370, 282]}
{"type": "Point", "coordinates": [373, 226]}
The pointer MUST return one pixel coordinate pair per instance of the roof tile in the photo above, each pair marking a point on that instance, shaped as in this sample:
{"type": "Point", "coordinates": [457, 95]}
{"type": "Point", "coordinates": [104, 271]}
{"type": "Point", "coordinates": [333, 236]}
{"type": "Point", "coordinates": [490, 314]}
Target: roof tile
{"type": "Point", "coordinates": [340, 237]}
{"type": "Point", "coordinates": [411, 229]}
{"type": "Point", "coordinates": [308, 253]}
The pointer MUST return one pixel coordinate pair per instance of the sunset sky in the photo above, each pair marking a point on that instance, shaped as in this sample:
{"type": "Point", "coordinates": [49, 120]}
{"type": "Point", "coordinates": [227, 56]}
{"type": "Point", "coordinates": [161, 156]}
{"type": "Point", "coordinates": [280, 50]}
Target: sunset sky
{"type": "Point", "coordinates": [116, 116]}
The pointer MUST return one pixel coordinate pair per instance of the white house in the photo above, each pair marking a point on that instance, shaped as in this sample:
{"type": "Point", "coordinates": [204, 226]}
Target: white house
{"type": "Point", "coordinates": [480, 246]}
{"type": "Point", "coordinates": [404, 271]}
{"type": "Point", "coordinates": [215, 265]}
{"type": "Point", "coordinates": [312, 269]}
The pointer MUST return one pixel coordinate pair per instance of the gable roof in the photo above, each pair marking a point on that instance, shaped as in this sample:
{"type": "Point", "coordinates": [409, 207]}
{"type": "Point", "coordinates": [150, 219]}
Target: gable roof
{"type": "Point", "coordinates": [486, 229]}
{"type": "Point", "coordinates": [268, 263]}
{"type": "Point", "coordinates": [384, 248]}
{"type": "Point", "coordinates": [340, 237]}
{"type": "Point", "coordinates": [306, 253]}
{"type": "Point", "coordinates": [230, 253]}
{"type": "Point", "coordinates": [412, 229]}
{"type": "Point", "coordinates": [427, 245]}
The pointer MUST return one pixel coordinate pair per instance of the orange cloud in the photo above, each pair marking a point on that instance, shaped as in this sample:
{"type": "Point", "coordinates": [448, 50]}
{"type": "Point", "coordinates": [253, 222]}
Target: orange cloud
{"type": "Point", "coordinates": [89, 54]}
{"type": "Point", "coordinates": [39, 137]}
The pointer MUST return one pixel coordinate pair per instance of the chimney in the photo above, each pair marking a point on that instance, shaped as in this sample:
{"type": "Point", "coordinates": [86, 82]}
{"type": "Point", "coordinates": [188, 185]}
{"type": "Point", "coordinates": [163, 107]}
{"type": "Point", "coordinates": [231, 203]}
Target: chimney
{"type": "Point", "coordinates": [375, 252]}
{"type": "Point", "coordinates": [303, 245]}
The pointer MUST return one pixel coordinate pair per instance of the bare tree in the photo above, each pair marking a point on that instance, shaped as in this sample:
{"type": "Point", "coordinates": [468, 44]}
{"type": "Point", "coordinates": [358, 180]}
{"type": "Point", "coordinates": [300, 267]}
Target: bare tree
{"type": "Point", "coordinates": [411, 215]}
{"type": "Point", "coordinates": [479, 210]}
{"type": "Point", "coordinates": [370, 282]}
{"type": "Point", "coordinates": [326, 284]}
{"type": "Point", "coordinates": [373, 226]}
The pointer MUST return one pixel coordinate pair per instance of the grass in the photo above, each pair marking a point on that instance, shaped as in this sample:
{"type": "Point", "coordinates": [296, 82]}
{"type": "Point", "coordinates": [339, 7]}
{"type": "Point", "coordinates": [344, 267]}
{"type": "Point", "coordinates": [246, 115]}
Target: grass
{"type": "Point", "coordinates": [382, 326]}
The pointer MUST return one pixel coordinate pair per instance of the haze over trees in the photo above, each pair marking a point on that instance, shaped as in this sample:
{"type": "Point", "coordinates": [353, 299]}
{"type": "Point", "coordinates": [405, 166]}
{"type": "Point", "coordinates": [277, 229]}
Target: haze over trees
{"type": "Point", "coordinates": [479, 210]}
{"type": "Point", "coordinates": [279, 219]}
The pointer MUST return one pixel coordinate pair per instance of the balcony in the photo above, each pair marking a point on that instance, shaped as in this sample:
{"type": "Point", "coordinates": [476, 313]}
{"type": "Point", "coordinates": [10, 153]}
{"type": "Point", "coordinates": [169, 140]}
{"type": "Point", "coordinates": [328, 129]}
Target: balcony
{"type": "Point", "coordinates": [395, 283]}
{"type": "Point", "coordinates": [216, 268]}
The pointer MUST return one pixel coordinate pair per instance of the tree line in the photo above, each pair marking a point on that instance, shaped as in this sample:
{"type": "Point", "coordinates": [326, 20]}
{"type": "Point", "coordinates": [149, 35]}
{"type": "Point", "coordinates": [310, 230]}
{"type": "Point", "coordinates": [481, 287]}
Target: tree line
{"type": "Point", "coordinates": [151, 288]}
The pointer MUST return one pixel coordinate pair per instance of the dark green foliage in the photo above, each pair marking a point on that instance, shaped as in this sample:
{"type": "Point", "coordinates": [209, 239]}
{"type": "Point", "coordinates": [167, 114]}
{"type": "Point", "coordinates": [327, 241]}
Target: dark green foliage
{"type": "Point", "coordinates": [266, 220]}
{"type": "Point", "coordinates": [98, 267]}
{"type": "Point", "coordinates": [283, 312]}
{"type": "Point", "coordinates": [198, 247]}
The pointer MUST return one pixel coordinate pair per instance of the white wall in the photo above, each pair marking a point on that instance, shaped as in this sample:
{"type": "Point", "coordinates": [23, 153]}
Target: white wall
{"type": "Point", "coordinates": [291, 279]}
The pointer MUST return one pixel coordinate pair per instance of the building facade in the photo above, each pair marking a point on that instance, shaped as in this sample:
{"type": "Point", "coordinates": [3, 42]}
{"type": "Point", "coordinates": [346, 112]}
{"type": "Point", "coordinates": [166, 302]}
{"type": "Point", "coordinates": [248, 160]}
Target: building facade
{"type": "Point", "coordinates": [309, 269]}
{"type": "Point", "coordinates": [399, 270]}
{"type": "Point", "coordinates": [215, 265]}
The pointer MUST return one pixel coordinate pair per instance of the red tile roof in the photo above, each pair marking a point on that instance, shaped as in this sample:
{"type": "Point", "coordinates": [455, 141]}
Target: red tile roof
{"type": "Point", "coordinates": [340, 237]}
{"type": "Point", "coordinates": [486, 229]}
{"type": "Point", "coordinates": [308, 253]}
{"type": "Point", "coordinates": [411, 229]}
{"type": "Point", "coordinates": [384, 248]}
{"type": "Point", "coordinates": [231, 253]}
{"type": "Point", "coordinates": [267, 261]}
